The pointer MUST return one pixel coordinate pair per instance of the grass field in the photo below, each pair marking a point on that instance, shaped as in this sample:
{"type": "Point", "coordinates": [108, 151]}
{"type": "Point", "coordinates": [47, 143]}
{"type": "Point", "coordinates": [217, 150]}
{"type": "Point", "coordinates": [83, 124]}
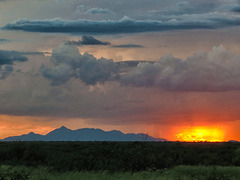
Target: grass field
{"type": "Point", "coordinates": [177, 173]}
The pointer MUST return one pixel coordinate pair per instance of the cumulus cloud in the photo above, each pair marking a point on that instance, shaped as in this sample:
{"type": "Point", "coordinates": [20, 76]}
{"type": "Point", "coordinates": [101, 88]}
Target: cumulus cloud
{"type": "Point", "coordinates": [127, 46]}
{"type": "Point", "coordinates": [98, 11]}
{"type": "Point", "coordinates": [68, 62]}
{"type": "Point", "coordinates": [125, 25]}
{"type": "Point", "coordinates": [113, 103]}
{"type": "Point", "coordinates": [217, 70]}
{"type": "Point", "coordinates": [88, 40]}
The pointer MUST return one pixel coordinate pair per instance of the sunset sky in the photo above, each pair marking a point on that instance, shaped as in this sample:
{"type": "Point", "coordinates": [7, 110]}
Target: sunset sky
{"type": "Point", "coordinates": [67, 62]}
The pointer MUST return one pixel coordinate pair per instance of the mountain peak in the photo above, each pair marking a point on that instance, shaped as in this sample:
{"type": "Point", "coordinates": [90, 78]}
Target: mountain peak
{"type": "Point", "coordinates": [63, 128]}
{"type": "Point", "coordinates": [31, 133]}
{"type": "Point", "coordinates": [234, 141]}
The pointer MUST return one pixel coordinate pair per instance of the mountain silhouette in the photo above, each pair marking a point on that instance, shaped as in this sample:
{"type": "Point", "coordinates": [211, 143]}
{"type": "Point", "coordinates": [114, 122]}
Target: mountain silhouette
{"type": "Point", "coordinates": [85, 134]}
{"type": "Point", "coordinates": [233, 141]}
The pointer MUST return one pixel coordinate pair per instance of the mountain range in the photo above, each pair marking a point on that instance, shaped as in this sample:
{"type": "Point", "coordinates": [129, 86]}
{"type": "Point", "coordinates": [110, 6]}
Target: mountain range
{"type": "Point", "coordinates": [85, 134]}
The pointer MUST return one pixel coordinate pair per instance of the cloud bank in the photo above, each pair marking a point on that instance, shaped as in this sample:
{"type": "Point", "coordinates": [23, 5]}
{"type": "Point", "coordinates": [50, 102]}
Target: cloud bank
{"type": "Point", "coordinates": [217, 70]}
{"type": "Point", "coordinates": [125, 25]}
{"type": "Point", "coordinates": [151, 92]}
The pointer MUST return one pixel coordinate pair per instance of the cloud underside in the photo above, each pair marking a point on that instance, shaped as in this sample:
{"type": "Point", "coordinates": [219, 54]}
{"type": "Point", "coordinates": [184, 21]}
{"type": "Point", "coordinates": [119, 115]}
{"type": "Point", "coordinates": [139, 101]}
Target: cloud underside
{"type": "Point", "coordinates": [125, 25]}
{"type": "Point", "coordinates": [216, 70]}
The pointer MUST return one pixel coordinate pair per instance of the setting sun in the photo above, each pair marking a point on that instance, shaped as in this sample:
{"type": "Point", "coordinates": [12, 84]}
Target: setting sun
{"type": "Point", "coordinates": [196, 134]}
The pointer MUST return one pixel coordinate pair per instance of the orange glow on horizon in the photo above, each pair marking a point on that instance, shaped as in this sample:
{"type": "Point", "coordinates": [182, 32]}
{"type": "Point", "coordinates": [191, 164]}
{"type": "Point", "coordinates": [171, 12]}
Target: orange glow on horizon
{"type": "Point", "coordinates": [201, 131]}
{"type": "Point", "coordinates": [198, 134]}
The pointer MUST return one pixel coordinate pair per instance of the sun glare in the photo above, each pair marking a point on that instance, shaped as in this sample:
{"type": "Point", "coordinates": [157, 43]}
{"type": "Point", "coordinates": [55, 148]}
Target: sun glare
{"type": "Point", "coordinates": [198, 134]}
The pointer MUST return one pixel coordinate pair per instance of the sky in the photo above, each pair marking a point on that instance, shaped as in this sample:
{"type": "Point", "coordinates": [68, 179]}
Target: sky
{"type": "Point", "coordinates": [168, 68]}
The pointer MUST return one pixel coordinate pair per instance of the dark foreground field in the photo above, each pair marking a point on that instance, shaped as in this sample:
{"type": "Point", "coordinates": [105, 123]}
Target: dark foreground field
{"type": "Point", "coordinates": [119, 160]}
{"type": "Point", "coordinates": [176, 173]}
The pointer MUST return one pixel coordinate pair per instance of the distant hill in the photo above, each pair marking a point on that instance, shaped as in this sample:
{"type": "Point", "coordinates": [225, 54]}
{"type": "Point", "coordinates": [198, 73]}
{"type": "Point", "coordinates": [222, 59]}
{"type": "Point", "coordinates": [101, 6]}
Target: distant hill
{"type": "Point", "coordinates": [86, 134]}
{"type": "Point", "coordinates": [234, 141]}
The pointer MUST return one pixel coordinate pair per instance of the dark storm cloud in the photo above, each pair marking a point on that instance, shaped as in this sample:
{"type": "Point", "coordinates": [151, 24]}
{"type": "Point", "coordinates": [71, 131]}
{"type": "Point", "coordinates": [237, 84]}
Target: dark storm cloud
{"type": "Point", "coordinates": [9, 57]}
{"type": "Point", "coordinates": [128, 46]}
{"type": "Point", "coordinates": [88, 40]}
{"type": "Point", "coordinates": [68, 62]}
{"type": "Point", "coordinates": [125, 25]}
{"type": "Point", "coordinates": [217, 70]}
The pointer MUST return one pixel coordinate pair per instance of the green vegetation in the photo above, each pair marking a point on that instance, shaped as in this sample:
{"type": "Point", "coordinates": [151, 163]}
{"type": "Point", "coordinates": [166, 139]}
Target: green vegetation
{"type": "Point", "coordinates": [119, 160]}
{"type": "Point", "coordinates": [117, 156]}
